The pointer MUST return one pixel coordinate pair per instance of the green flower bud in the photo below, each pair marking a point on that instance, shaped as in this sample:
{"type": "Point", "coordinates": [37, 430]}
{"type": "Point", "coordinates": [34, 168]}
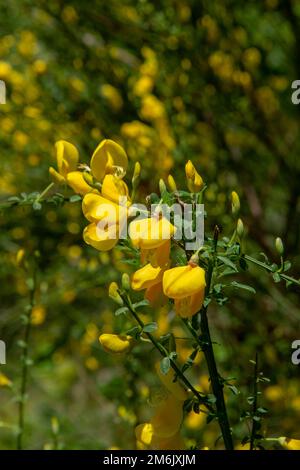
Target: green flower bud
{"type": "Point", "coordinates": [125, 282]}
{"type": "Point", "coordinates": [279, 246]}
{"type": "Point", "coordinates": [240, 228]}
{"type": "Point", "coordinates": [235, 203]}
{"type": "Point", "coordinates": [162, 186]}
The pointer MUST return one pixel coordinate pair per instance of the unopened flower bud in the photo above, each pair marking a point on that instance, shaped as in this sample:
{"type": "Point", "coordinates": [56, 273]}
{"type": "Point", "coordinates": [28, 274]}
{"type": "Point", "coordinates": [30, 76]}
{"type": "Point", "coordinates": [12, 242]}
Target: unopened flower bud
{"type": "Point", "coordinates": [136, 174]}
{"type": "Point", "coordinates": [114, 294]}
{"type": "Point", "coordinates": [162, 186]}
{"type": "Point", "coordinates": [88, 178]}
{"type": "Point", "coordinates": [235, 203]}
{"type": "Point", "coordinates": [125, 281]}
{"type": "Point", "coordinates": [279, 246]}
{"type": "Point", "coordinates": [20, 257]}
{"type": "Point", "coordinates": [172, 184]}
{"type": "Point", "coordinates": [194, 180]}
{"type": "Point", "coordinates": [54, 425]}
{"type": "Point", "coordinates": [240, 228]}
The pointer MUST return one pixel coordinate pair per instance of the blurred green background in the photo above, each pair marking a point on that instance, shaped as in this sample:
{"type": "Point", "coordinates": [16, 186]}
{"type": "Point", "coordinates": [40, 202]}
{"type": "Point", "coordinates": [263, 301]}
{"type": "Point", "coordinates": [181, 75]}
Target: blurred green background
{"type": "Point", "coordinates": [171, 81]}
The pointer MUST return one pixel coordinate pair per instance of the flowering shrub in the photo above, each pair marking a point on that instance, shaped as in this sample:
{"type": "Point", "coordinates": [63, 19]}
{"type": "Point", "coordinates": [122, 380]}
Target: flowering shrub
{"type": "Point", "coordinates": [186, 282]}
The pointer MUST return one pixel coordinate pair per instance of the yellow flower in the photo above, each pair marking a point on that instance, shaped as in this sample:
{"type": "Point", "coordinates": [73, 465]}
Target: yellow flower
{"type": "Point", "coordinates": [150, 278]}
{"type": "Point", "coordinates": [101, 239]}
{"type": "Point", "coordinates": [186, 285]}
{"type": "Point", "coordinates": [150, 232]}
{"type": "Point", "coordinates": [77, 182]}
{"type": "Point", "coordinates": [175, 388]}
{"type": "Point", "coordinates": [144, 433]}
{"type": "Point", "coordinates": [146, 439]}
{"type": "Point", "coordinates": [146, 277]}
{"type": "Point", "coordinates": [116, 344]}
{"type": "Point", "coordinates": [168, 417]}
{"type": "Point", "coordinates": [116, 190]}
{"type": "Point", "coordinates": [109, 157]}
{"type": "Point", "coordinates": [67, 159]}
{"type": "Point", "coordinates": [4, 380]}
{"type": "Point", "coordinates": [38, 315]}
{"type": "Point", "coordinates": [194, 180]}
{"type": "Point", "coordinates": [107, 219]}
{"type": "Point", "coordinates": [290, 444]}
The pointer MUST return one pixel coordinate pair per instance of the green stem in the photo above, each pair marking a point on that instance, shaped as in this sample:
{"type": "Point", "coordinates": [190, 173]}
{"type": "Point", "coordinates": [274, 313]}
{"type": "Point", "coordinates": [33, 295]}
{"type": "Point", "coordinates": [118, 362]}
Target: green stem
{"type": "Point", "coordinates": [45, 192]}
{"type": "Point", "coordinates": [207, 348]}
{"type": "Point", "coordinates": [164, 353]}
{"type": "Point", "coordinates": [25, 364]}
{"type": "Point", "coordinates": [254, 407]}
{"type": "Point", "coordinates": [268, 268]}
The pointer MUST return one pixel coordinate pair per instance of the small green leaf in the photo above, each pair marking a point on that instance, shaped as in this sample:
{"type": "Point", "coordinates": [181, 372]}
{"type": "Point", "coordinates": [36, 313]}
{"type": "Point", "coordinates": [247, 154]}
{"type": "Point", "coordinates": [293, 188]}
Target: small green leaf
{"type": "Point", "coordinates": [121, 311]}
{"type": "Point", "coordinates": [165, 365]}
{"type": "Point", "coordinates": [134, 332]}
{"type": "Point", "coordinates": [233, 389]}
{"type": "Point", "coordinates": [37, 206]}
{"type": "Point", "coordinates": [238, 285]}
{"type": "Point", "coordinates": [150, 327]}
{"type": "Point", "coordinates": [227, 262]}
{"type": "Point", "coordinates": [75, 198]}
{"type": "Point", "coordinates": [262, 410]}
{"type": "Point", "coordinates": [276, 277]}
{"type": "Point", "coordinates": [286, 265]}
{"type": "Point", "coordinates": [142, 303]}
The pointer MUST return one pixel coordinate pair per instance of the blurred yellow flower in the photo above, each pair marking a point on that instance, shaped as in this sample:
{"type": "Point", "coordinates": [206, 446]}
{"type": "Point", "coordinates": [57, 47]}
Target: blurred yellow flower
{"type": "Point", "coordinates": [4, 380]}
{"type": "Point", "coordinates": [38, 315]}
{"type": "Point", "coordinates": [116, 344]}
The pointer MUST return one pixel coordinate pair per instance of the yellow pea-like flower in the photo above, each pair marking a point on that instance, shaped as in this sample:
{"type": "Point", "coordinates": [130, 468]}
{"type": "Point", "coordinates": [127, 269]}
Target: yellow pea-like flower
{"type": "Point", "coordinates": [168, 417]}
{"type": "Point", "coordinates": [101, 239]}
{"type": "Point", "coordinates": [116, 344]}
{"type": "Point", "coordinates": [67, 157]}
{"type": "Point", "coordinates": [115, 190]}
{"type": "Point", "coordinates": [150, 232]}
{"type": "Point", "coordinates": [290, 444]}
{"type": "Point", "coordinates": [109, 157]}
{"type": "Point", "coordinates": [146, 277]}
{"type": "Point", "coordinates": [96, 207]}
{"type": "Point", "coordinates": [175, 388]}
{"type": "Point", "coordinates": [186, 285]}
{"type": "Point", "coordinates": [76, 181]}
{"type": "Point", "coordinates": [194, 180]}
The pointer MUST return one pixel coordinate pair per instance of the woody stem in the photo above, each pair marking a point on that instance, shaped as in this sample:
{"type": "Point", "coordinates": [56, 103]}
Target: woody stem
{"type": "Point", "coordinates": [164, 353]}
{"type": "Point", "coordinates": [207, 347]}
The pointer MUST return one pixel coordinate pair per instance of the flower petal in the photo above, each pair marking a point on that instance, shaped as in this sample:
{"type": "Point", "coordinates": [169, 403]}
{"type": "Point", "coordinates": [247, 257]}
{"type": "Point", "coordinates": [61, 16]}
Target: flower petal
{"type": "Point", "coordinates": [107, 153]}
{"type": "Point", "coordinates": [183, 281]}
{"type": "Point", "coordinates": [102, 241]}
{"type": "Point", "coordinates": [146, 277]}
{"type": "Point", "coordinates": [67, 157]}
{"type": "Point", "coordinates": [77, 182]}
